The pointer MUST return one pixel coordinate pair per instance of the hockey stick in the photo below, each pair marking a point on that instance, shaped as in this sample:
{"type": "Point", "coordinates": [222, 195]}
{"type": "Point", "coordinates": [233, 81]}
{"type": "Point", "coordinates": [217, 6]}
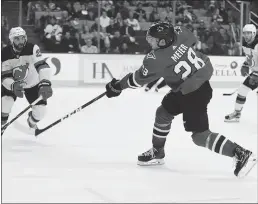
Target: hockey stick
{"type": "Point", "coordinates": [21, 113]}
{"type": "Point", "coordinates": [229, 94]}
{"type": "Point", "coordinates": [39, 131]}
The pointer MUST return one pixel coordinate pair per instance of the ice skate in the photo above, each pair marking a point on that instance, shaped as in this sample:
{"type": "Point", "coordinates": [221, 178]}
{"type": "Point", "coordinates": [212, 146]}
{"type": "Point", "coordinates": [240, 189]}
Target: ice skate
{"type": "Point", "coordinates": [31, 123]}
{"type": "Point", "coordinates": [233, 117]}
{"type": "Point", "coordinates": [152, 157]}
{"type": "Point", "coordinates": [147, 89]}
{"type": "Point", "coordinates": [245, 161]}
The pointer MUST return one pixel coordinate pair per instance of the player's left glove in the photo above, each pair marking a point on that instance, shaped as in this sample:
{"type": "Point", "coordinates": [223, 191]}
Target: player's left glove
{"type": "Point", "coordinates": [45, 89]}
{"type": "Point", "coordinates": [254, 78]}
{"type": "Point", "coordinates": [113, 88]}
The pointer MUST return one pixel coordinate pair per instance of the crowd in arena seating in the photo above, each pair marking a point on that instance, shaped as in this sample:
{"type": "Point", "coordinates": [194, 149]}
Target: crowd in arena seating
{"type": "Point", "coordinates": [4, 31]}
{"type": "Point", "coordinates": [72, 26]}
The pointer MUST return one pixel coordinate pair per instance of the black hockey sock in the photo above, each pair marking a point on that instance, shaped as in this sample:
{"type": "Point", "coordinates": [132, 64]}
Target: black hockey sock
{"type": "Point", "coordinates": [4, 118]}
{"type": "Point", "coordinates": [240, 101]}
{"type": "Point", "coordinates": [159, 136]}
{"type": "Point", "coordinates": [220, 144]}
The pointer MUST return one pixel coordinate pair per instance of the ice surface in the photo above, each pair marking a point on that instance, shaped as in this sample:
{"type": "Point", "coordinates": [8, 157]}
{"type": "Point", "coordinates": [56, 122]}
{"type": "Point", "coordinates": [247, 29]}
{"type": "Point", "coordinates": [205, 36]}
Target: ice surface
{"type": "Point", "coordinates": [91, 157]}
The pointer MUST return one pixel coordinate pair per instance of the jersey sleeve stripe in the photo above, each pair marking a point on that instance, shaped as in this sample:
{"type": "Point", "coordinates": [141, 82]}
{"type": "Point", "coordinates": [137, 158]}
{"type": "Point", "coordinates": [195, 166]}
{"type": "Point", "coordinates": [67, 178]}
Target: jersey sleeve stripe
{"type": "Point", "coordinates": [131, 82]}
{"type": "Point", "coordinates": [135, 82]}
{"type": "Point", "coordinates": [41, 65]}
{"type": "Point", "coordinates": [6, 74]}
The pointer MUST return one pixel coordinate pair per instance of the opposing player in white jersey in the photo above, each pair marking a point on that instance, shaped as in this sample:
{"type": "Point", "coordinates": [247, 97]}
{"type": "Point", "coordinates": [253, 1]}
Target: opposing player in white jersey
{"type": "Point", "coordinates": [25, 72]}
{"type": "Point", "coordinates": [249, 69]}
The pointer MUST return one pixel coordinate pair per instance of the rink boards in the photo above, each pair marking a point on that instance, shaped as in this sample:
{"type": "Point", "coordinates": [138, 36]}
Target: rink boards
{"type": "Point", "coordinates": [98, 69]}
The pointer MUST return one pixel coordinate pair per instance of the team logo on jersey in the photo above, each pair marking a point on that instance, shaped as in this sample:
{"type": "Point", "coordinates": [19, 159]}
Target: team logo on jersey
{"type": "Point", "coordinates": [20, 72]}
{"type": "Point", "coordinates": [178, 30]}
{"type": "Point", "coordinates": [151, 55]}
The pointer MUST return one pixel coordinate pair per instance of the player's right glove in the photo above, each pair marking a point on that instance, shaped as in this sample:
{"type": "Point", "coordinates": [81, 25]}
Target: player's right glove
{"type": "Point", "coordinates": [245, 69]}
{"type": "Point", "coordinates": [17, 88]}
{"type": "Point", "coordinates": [254, 78]}
{"type": "Point", "coordinates": [113, 88]}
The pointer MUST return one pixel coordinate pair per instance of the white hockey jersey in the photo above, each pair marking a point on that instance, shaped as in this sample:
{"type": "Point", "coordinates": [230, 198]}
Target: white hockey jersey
{"type": "Point", "coordinates": [29, 66]}
{"type": "Point", "coordinates": [251, 52]}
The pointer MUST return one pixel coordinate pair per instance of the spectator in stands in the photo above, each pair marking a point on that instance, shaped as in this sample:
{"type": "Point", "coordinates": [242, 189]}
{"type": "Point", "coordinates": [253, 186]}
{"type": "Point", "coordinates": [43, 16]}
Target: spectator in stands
{"type": "Point", "coordinates": [106, 5]}
{"type": "Point", "coordinates": [119, 19]}
{"type": "Point", "coordinates": [127, 32]}
{"type": "Point", "coordinates": [217, 17]}
{"type": "Point", "coordinates": [111, 13]}
{"type": "Point", "coordinates": [154, 15]}
{"type": "Point", "coordinates": [163, 16]}
{"type": "Point", "coordinates": [69, 44]}
{"type": "Point", "coordinates": [90, 15]}
{"type": "Point", "coordinates": [211, 8]}
{"type": "Point", "coordinates": [112, 28]}
{"type": "Point", "coordinates": [52, 6]}
{"type": "Point", "coordinates": [141, 19]}
{"type": "Point", "coordinates": [85, 33]}
{"type": "Point", "coordinates": [229, 18]}
{"type": "Point", "coordinates": [53, 34]}
{"type": "Point", "coordinates": [69, 8]}
{"type": "Point", "coordinates": [198, 44]}
{"type": "Point", "coordinates": [107, 49]}
{"type": "Point", "coordinates": [139, 12]}
{"type": "Point", "coordinates": [104, 20]}
{"type": "Point", "coordinates": [133, 22]}
{"type": "Point", "coordinates": [89, 48]}
{"type": "Point", "coordinates": [116, 42]}
{"type": "Point", "coordinates": [94, 27]}
{"type": "Point", "coordinates": [124, 10]}
{"type": "Point", "coordinates": [234, 49]}
{"type": "Point", "coordinates": [124, 49]}
{"type": "Point", "coordinates": [4, 31]}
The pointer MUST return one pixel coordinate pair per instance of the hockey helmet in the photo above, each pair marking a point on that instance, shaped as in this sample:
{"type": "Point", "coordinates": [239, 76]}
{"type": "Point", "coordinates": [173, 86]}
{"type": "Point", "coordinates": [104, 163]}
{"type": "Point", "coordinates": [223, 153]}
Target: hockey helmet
{"type": "Point", "coordinates": [163, 32]}
{"type": "Point", "coordinates": [16, 32]}
{"type": "Point", "coordinates": [249, 28]}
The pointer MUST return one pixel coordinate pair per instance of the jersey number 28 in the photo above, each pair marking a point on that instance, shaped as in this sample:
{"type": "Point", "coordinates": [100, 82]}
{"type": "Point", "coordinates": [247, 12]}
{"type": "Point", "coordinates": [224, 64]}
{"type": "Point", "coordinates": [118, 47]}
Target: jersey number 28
{"type": "Point", "coordinates": [186, 67]}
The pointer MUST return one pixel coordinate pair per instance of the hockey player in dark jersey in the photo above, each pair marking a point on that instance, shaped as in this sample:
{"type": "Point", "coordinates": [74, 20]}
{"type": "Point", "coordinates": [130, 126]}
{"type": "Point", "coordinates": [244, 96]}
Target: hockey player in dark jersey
{"type": "Point", "coordinates": [25, 72]}
{"type": "Point", "coordinates": [187, 72]}
{"type": "Point", "coordinates": [250, 48]}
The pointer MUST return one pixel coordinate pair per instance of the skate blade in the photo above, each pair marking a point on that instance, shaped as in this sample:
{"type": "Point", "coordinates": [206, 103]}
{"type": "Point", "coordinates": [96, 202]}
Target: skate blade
{"type": "Point", "coordinates": [232, 121]}
{"type": "Point", "coordinates": [252, 161]}
{"type": "Point", "coordinates": [153, 162]}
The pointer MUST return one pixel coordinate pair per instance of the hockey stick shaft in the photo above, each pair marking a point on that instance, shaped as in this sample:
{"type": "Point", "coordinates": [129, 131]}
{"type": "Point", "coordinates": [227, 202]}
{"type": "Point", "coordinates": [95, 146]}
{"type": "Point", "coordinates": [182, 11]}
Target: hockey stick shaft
{"type": "Point", "coordinates": [39, 131]}
{"type": "Point", "coordinates": [20, 114]}
{"type": "Point", "coordinates": [229, 94]}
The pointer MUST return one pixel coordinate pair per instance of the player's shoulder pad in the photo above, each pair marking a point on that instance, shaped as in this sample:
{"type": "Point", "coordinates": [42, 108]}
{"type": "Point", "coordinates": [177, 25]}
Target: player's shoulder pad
{"type": "Point", "coordinates": [7, 53]}
{"type": "Point", "coordinates": [28, 49]}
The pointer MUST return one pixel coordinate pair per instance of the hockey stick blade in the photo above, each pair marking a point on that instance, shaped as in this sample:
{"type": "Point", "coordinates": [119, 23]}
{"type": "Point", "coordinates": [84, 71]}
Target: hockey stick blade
{"type": "Point", "coordinates": [229, 94]}
{"type": "Point", "coordinates": [17, 116]}
{"type": "Point", "coordinates": [39, 131]}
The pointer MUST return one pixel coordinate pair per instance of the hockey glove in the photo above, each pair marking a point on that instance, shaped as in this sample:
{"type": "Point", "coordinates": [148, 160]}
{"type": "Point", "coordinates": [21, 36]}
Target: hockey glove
{"type": "Point", "coordinates": [45, 89]}
{"type": "Point", "coordinates": [245, 69]}
{"type": "Point", "coordinates": [17, 88]}
{"type": "Point", "coordinates": [113, 88]}
{"type": "Point", "coordinates": [254, 78]}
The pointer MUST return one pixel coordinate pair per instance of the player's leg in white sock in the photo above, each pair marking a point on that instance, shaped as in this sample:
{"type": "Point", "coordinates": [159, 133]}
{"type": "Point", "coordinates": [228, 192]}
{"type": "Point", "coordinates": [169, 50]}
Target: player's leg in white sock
{"type": "Point", "coordinates": [7, 104]}
{"type": "Point", "coordinates": [241, 97]}
{"type": "Point", "coordinates": [37, 114]}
